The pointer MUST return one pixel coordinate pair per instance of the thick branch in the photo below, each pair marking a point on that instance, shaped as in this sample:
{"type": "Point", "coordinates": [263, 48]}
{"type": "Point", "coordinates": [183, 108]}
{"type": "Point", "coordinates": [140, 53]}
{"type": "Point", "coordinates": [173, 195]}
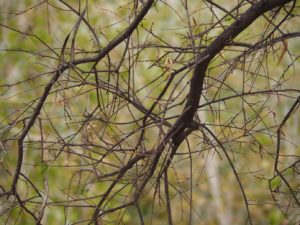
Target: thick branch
{"type": "Point", "coordinates": [255, 11]}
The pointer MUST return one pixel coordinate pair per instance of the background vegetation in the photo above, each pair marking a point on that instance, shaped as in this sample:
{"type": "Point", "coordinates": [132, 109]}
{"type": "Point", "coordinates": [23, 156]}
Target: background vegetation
{"type": "Point", "coordinates": [149, 112]}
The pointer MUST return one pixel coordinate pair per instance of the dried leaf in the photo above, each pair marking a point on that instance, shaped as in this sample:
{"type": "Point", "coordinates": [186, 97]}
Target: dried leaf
{"type": "Point", "coordinates": [284, 50]}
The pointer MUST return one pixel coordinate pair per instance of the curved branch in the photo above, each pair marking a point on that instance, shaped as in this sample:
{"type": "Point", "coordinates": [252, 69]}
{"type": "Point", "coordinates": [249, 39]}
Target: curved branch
{"type": "Point", "coordinates": [197, 81]}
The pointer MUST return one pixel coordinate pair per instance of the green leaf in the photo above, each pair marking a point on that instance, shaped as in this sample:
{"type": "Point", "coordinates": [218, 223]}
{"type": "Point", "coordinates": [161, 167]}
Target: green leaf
{"type": "Point", "coordinates": [275, 183]}
{"type": "Point", "coordinates": [289, 171]}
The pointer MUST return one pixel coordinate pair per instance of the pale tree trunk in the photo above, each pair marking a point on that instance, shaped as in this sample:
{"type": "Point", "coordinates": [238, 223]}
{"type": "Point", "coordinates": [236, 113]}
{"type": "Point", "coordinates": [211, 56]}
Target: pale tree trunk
{"type": "Point", "coordinates": [211, 168]}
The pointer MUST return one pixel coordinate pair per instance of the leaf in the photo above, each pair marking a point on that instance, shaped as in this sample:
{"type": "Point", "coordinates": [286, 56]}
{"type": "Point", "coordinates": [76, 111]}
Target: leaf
{"type": "Point", "coordinates": [194, 21]}
{"type": "Point", "coordinates": [275, 183]}
{"type": "Point", "coordinates": [289, 171]}
{"type": "Point", "coordinates": [284, 50]}
{"type": "Point", "coordinates": [168, 63]}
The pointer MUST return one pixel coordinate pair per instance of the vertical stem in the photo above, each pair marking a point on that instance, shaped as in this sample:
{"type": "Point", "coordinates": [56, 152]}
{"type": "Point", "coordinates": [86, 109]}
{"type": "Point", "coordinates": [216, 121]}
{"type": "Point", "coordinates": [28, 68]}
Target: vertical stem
{"type": "Point", "coordinates": [169, 210]}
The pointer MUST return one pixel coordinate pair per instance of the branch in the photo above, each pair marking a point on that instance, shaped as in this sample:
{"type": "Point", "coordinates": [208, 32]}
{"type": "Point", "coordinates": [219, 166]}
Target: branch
{"type": "Point", "coordinates": [197, 81]}
{"type": "Point", "coordinates": [57, 74]}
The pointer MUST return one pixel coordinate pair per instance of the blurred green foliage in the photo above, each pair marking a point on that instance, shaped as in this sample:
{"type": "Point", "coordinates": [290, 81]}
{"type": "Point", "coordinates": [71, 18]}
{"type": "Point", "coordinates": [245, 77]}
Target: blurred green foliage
{"type": "Point", "coordinates": [28, 59]}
